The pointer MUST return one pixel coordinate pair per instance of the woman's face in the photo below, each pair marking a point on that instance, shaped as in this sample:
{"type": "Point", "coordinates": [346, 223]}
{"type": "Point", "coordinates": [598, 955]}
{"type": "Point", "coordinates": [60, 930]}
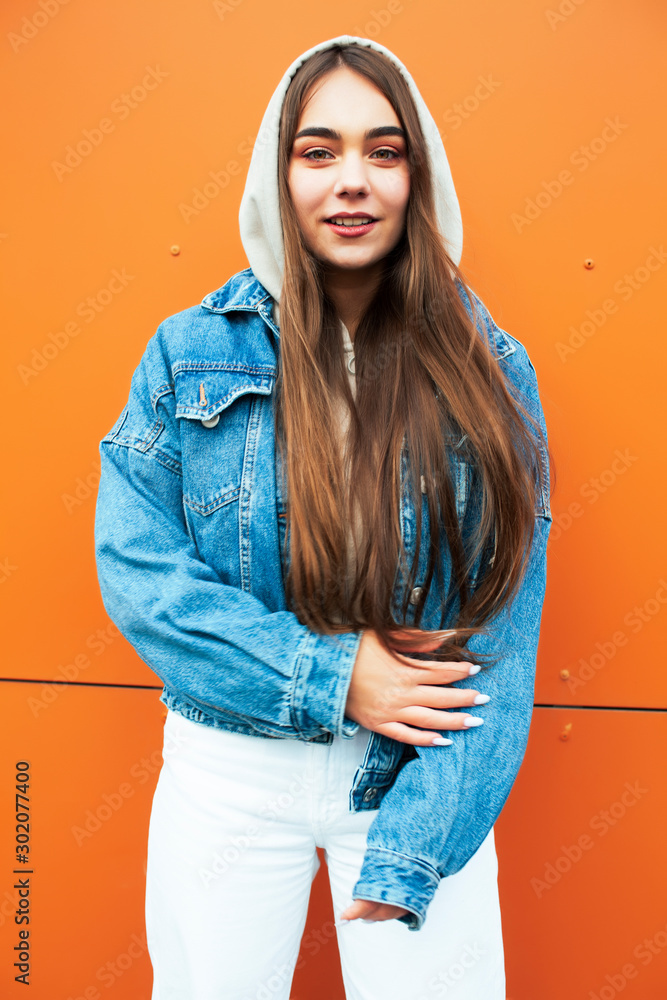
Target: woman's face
{"type": "Point", "coordinates": [336, 170]}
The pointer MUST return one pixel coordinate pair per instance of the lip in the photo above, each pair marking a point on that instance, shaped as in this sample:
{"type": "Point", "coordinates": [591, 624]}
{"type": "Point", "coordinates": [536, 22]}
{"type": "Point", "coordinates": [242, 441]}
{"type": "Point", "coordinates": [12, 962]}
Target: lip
{"type": "Point", "coordinates": [350, 230]}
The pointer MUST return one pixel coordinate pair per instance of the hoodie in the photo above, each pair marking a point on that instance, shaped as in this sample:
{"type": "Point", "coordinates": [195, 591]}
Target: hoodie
{"type": "Point", "coordinates": [259, 213]}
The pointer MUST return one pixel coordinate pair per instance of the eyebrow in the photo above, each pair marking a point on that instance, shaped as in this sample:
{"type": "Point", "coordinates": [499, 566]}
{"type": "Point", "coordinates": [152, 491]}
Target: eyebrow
{"type": "Point", "coordinates": [321, 132]}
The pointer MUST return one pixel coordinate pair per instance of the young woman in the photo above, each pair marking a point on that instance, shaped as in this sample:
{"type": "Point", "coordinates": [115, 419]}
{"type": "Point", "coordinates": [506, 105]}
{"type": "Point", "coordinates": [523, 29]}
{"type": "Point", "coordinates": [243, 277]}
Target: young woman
{"type": "Point", "coordinates": [322, 521]}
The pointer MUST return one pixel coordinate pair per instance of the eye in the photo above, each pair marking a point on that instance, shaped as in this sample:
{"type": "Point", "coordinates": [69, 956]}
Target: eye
{"type": "Point", "coordinates": [309, 155]}
{"type": "Point", "coordinates": [394, 154]}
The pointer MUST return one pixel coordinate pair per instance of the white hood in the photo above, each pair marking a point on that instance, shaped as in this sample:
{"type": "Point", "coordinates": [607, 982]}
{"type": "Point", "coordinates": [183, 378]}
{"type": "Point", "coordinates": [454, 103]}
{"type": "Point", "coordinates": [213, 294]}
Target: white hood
{"type": "Point", "coordinates": [259, 214]}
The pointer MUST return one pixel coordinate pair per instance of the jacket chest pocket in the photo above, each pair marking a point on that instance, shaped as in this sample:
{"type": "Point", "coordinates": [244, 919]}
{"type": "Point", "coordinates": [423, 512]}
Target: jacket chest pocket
{"type": "Point", "coordinates": [219, 421]}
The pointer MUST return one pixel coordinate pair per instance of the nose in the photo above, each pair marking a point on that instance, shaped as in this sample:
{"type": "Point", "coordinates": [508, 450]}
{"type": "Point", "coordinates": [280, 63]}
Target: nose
{"type": "Point", "coordinates": [352, 177]}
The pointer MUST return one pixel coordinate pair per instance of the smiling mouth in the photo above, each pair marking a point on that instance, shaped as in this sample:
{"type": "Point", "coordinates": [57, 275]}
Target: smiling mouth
{"type": "Point", "coordinates": [350, 222]}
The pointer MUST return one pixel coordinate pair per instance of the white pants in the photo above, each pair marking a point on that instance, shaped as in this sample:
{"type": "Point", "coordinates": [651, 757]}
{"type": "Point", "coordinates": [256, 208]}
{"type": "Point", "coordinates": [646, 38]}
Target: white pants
{"type": "Point", "coordinates": [232, 840]}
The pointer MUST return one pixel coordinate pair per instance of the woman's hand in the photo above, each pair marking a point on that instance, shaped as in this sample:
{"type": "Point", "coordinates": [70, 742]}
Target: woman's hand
{"type": "Point", "coordinates": [364, 909]}
{"type": "Point", "coordinates": [392, 694]}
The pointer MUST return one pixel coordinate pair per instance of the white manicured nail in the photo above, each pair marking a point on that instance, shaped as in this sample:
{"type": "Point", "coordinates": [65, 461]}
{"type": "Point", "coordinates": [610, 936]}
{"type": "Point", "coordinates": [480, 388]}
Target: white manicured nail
{"type": "Point", "coordinates": [481, 699]}
{"type": "Point", "coordinates": [439, 741]}
{"type": "Point", "coordinates": [474, 669]}
{"type": "Point", "coordinates": [473, 720]}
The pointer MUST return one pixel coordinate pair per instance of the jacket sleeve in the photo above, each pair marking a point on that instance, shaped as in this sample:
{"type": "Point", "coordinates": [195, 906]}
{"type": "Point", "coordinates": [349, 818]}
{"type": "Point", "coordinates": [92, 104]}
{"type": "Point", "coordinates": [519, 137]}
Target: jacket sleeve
{"type": "Point", "coordinates": [214, 642]}
{"type": "Point", "coordinates": [445, 801]}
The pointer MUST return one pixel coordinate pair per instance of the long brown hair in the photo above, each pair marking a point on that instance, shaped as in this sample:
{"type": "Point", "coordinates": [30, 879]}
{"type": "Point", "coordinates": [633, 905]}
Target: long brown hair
{"type": "Point", "coordinates": [424, 373]}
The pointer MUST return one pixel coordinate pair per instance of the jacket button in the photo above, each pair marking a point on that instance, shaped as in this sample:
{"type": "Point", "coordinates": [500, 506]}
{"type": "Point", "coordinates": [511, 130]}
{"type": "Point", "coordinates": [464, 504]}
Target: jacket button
{"type": "Point", "coordinates": [416, 594]}
{"type": "Point", "coordinates": [369, 794]}
{"type": "Point", "coordinates": [212, 421]}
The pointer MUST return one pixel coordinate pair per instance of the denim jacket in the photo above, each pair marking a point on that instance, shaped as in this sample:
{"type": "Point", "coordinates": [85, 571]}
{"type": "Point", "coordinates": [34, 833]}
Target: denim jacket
{"type": "Point", "coordinates": [188, 534]}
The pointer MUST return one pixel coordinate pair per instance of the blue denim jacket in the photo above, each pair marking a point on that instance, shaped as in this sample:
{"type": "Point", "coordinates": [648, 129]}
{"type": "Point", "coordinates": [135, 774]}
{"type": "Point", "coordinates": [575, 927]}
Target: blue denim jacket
{"type": "Point", "coordinates": [188, 533]}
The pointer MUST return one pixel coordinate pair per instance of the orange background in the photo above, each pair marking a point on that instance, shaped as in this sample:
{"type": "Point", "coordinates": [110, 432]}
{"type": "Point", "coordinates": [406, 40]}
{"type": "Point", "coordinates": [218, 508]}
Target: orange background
{"type": "Point", "coordinates": [574, 924]}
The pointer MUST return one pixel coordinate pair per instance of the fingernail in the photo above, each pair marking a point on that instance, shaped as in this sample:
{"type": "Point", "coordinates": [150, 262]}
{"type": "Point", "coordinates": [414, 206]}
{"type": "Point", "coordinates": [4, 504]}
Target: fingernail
{"type": "Point", "coordinates": [473, 720]}
{"type": "Point", "coordinates": [481, 699]}
{"type": "Point", "coordinates": [474, 669]}
{"type": "Point", "coordinates": [439, 741]}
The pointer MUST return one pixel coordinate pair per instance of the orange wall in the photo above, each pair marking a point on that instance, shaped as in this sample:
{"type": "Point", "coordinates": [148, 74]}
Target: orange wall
{"type": "Point", "coordinates": [560, 106]}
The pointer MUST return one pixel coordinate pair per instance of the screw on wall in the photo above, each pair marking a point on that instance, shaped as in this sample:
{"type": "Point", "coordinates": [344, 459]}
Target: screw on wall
{"type": "Point", "coordinates": [565, 735]}
{"type": "Point", "coordinates": [589, 263]}
{"type": "Point", "coordinates": [175, 250]}
{"type": "Point", "coordinates": [564, 674]}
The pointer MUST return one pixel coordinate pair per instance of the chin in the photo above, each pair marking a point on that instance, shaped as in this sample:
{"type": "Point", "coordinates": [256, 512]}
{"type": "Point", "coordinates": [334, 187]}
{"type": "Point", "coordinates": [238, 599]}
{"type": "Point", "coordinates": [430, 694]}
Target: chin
{"type": "Point", "coordinates": [355, 261]}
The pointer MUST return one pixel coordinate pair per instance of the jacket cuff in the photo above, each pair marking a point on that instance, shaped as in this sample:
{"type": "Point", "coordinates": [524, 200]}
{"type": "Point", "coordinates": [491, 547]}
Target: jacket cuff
{"type": "Point", "coordinates": [389, 877]}
{"type": "Point", "coordinates": [322, 682]}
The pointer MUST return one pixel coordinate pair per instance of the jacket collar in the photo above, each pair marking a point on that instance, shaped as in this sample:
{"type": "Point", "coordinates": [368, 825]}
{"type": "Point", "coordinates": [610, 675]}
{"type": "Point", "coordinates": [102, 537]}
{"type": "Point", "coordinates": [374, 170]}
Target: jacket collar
{"type": "Point", "coordinates": [243, 292]}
